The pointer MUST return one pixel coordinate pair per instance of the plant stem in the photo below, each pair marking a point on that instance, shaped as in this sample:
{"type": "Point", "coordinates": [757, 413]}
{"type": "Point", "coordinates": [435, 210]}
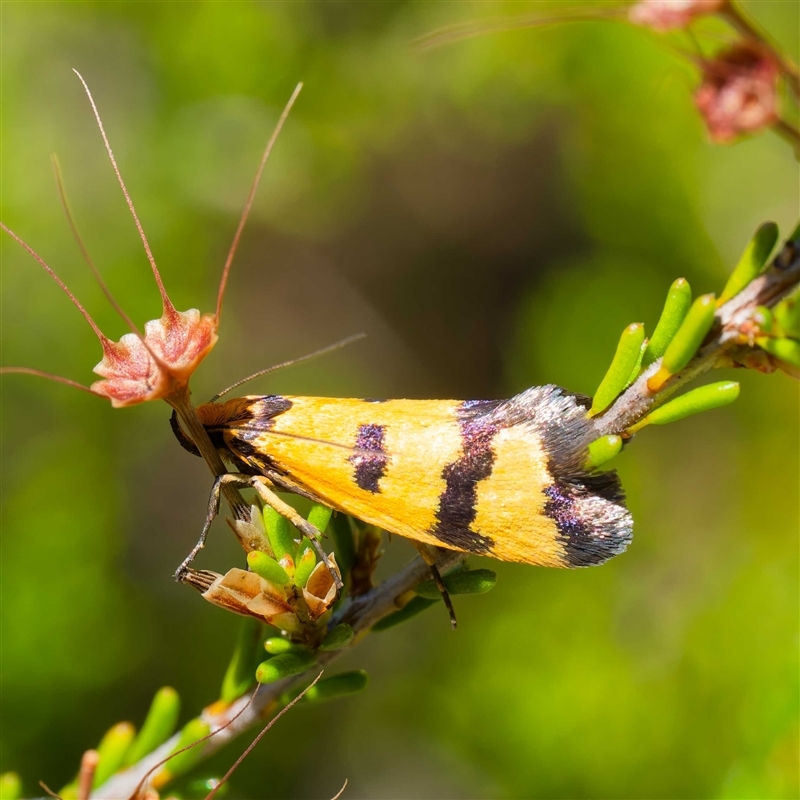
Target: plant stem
{"type": "Point", "coordinates": [742, 23]}
{"type": "Point", "coordinates": [767, 290]}
{"type": "Point", "coordinates": [361, 613]}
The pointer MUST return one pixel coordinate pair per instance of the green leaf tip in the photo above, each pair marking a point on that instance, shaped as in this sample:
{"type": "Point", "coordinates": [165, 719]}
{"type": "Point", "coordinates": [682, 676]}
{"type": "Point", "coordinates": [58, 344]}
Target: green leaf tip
{"type": "Point", "coordinates": [413, 607]}
{"type": "Point", "coordinates": [794, 236]}
{"type": "Point", "coordinates": [339, 637]}
{"type": "Point", "coordinates": [629, 350]}
{"type": "Point", "coordinates": [786, 316]}
{"type": "Point", "coordinates": [283, 666]}
{"type": "Point", "coordinates": [158, 725]}
{"type": "Point", "coordinates": [787, 350]}
{"type": "Point", "coordinates": [194, 730]}
{"type": "Point", "coordinates": [305, 565]}
{"type": "Point", "coordinates": [686, 341]}
{"type": "Point", "coordinates": [276, 645]}
{"type": "Point", "coordinates": [267, 568]}
{"type": "Point", "coordinates": [199, 788]}
{"type": "Point", "coordinates": [602, 450]}
{"type": "Point", "coordinates": [238, 676]}
{"type": "Point", "coordinates": [753, 260]}
{"type": "Point", "coordinates": [476, 581]}
{"type": "Point", "coordinates": [280, 533]}
{"type": "Point", "coordinates": [337, 686]}
{"type": "Point", "coordinates": [704, 398]}
{"type": "Point", "coordinates": [676, 307]}
{"type": "Point", "coordinates": [320, 516]}
{"type": "Point", "coordinates": [10, 786]}
{"type": "Point", "coordinates": [112, 750]}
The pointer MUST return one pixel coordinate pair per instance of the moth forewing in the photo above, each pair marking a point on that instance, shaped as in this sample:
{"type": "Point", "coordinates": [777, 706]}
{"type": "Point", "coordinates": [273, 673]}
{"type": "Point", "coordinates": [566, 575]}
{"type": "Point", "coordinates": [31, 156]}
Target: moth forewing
{"type": "Point", "coordinates": [497, 478]}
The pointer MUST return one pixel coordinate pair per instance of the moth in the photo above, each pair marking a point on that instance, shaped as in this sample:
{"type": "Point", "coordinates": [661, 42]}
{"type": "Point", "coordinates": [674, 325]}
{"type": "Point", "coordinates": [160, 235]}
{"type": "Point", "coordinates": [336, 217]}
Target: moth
{"type": "Point", "coordinates": [503, 478]}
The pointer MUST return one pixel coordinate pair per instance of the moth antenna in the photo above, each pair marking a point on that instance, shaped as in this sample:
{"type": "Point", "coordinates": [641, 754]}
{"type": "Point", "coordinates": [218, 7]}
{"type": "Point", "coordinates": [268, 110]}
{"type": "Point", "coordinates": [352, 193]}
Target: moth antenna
{"type": "Point", "coordinates": [249, 748]}
{"type": "Point", "coordinates": [471, 29]}
{"type": "Point", "coordinates": [322, 351]}
{"type": "Point", "coordinates": [341, 791]}
{"type": "Point", "coordinates": [356, 451]}
{"type": "Point", "coordinates": [136, 792]}
{"type": "Point", "coordinates": [169, 309]}
{"type": "Point", "coordinates": [85, 252]}
{"type": "Point", "coordinates": [41, 374]}
{"type": "Point", "coordinates": [93, 267]}
{"type": "Point", "coordinates": [104, 340]}
{"type": "Point", "coordinates": [248, 205]}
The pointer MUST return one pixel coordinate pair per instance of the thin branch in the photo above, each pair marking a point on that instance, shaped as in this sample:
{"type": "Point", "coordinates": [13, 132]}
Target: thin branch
{"type": "Point", "coordinates": [767, 290]}
{"type": "Point", "coordinates": [742, 23]}
{"type": "Point", "coordinates": [361, 613]}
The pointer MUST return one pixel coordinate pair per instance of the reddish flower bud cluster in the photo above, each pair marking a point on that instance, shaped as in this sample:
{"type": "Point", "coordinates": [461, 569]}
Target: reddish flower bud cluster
{"type": "Point", "coordinates": [739, 92]}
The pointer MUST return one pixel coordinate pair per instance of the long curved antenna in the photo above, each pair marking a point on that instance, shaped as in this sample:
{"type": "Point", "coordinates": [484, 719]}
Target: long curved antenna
{"type": "Point", "coordinates": [137, 792]}
{"type": "Point", "coordinates": [248, 205]}
{"type": "Point", "coordinates": [85, 252]}
{"type": "Point", "coordinates": [187, 444]}
{"type": "Point", "coordinates": [470, 29]}
{"type": "Point", "coordinates": [104, 340]}
{"type": "Point", "coordinates": [249, 749]}
{"type": "Point", "coordinates": [167, 303]}
{"type": "Point", "coordinates": [329, 349]}
{"type": "Point", "coordinates": [41, 374]}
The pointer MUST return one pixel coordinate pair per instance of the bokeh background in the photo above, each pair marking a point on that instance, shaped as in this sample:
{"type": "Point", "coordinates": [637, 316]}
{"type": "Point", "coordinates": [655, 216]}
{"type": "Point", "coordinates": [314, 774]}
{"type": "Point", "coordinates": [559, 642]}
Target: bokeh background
{"type": "Point", "coordinates": [491, 213]}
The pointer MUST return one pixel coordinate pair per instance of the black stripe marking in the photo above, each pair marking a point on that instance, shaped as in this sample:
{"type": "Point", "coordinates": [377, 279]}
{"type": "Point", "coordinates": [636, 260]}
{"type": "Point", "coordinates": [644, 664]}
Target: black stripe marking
{"type": "Point", "coordinates": [369, 469]}
{"type": "Point", "coordinates": [591, 518]}
{"type": "Point", "coordinates": [458, 502]}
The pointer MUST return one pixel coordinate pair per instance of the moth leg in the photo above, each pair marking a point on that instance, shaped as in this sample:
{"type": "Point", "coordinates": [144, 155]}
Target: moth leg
{"type": "Point", "coordinates": [240, 482]}
{"type": "Point", "coordinates": [300, 522]}
{"type": "Point", "coordinates": [429, 557]}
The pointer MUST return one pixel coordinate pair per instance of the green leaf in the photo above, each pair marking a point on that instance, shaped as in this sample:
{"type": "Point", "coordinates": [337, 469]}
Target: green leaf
{"type": "Point", "coordinates": [281, 534]}
{"type": "Point", "coordinates": [413, 607]}
{"type": "Point", "coordinates": [787, 350]}
{"type": "Point", "coordinates": [158, 725]}
{"type": "Point", "coordinates": [320, 516]}
{"type": "Point", "coordinates": [276, 645]}
{"type": "Point", "coordinates": [200, 788]}
{"type": "Point", "coordinates": [602, 450]}
{"type": "Point", "coordinates": [10, 786]}
{"type": "Point", "coordinates": [343, 542]}
{"type": "Point", "coordinates": [112, 750]}
{"type": "Point", "coordinates": [339, 637]}
{"type": "Point", "coordinates": [267, 568]}
{"type": "Point", "coordinates": [305, 565]}
{"type": "Point", "coordinates": [676, 306]}
{"type": "Point", "coordinates": [337, 686]}
{"type": "Point", "coordinates": [786, 315]}
{"type": "Point", "coordinates": [622, 365]}
{"type": "Point", "coordinates": [476, 581]}
{"type": "Point", "coordinates": [239, 674]}
{"type": "Point", "coordinates": [687, 340]}
{"type": "Point", "coordinates": [752, 262]}
{"type": "Point", "coordinates": [282, 666]}
{"type": "Point", "coordinates": [704, 398]}
{"type": "Point", "coordinates": [180, 764]}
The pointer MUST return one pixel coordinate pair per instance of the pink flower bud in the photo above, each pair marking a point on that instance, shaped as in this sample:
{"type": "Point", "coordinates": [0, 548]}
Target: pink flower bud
{"type": "Point", "coordinates": [663, 15]}
{"type": "Point", "coordinates": [739, 91]}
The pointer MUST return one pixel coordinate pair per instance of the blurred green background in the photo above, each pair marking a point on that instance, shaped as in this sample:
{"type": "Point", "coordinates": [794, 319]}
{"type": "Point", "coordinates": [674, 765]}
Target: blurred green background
{"type": "Point", "coordinates": [491, 213]}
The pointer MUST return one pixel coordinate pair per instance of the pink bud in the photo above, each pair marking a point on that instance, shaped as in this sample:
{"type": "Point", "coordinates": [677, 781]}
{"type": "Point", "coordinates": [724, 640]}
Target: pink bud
{"type": "Point", "coordinates": [739, 91]}
{"type": "Point", "coordinates": [663, 15]}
